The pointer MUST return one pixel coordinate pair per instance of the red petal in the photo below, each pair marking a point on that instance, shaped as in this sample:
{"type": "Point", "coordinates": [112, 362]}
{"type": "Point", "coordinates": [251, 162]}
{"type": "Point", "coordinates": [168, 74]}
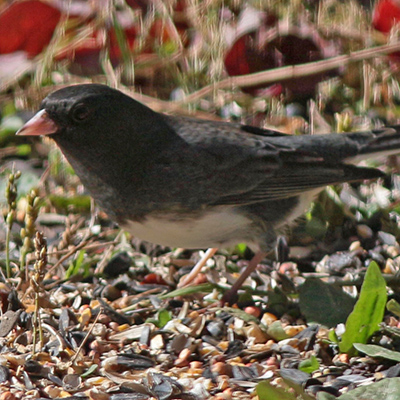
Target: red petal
{"type": "Point", "coordinates": [27, 26]}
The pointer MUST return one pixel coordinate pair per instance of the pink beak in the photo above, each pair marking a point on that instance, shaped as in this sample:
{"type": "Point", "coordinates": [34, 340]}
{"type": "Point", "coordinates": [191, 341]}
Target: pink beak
{"type": "Point", "coordinates": [40, 124]}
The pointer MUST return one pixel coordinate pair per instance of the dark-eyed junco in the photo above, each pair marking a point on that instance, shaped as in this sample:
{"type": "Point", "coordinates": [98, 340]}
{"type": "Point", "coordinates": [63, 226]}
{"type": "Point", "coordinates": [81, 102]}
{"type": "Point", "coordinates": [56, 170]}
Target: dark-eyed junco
{"type": "Point", "coordinates": [186, 182]}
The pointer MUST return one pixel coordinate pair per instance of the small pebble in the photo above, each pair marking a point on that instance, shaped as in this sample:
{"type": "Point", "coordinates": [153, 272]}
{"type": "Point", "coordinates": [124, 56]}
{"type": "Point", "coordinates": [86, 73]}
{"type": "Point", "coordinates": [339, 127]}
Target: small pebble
{"type": "Point", "coordinates": [85, 315]}
{"type": "Point", "coordinates": [355, 246]}
{"type": "Point", "coordinates": [389, 267]}
{"type": "Point", "coordinates": [364, 231]}
{"type": "Point", "coordinates": [95, 345]}
{"type": "Point", "coordinates": [256, 334]}
{"type": "Point", "coordinates": [200, 278]}
{"type": "Point", "coordinates": [253, 310]}
{"type": "Point", "coordinates": [392, 251]}
{"type": "Point", "coordinates": [114, 326]}
{"type": "Point", "coordinates": [96, 394]}
{"type": "Point", "coordinates": [52, 391]}
{"type": "Point", "coordinates": [272, 362]}
{"type": "Point", "coordinates": [196, 364]}
{"type": "Point", "coordinates": [99, 330]}
{"type": "Point", "coordinates": [185, 354]}
{"type": "Point", "coordinates": [219, 368]}
{"type": "Point", "coordinates": [289, 269]}
{"type": "Point", "coordinates": [223, 382]}
{"type": "Point", "coordinates": [344, 358]}
{"type": "Point", "coordinates": [193, 315]}
{"type": "Point", "coordinates": [268, 319]}
{"type": "Point", "coordinates": [181, 362]}
{"type": "Point", "coordinates": [293, 330]}
{"type": "Point", "coordinates": [7, 396]}
{"type": "Point", "coordinates": [104, 319]}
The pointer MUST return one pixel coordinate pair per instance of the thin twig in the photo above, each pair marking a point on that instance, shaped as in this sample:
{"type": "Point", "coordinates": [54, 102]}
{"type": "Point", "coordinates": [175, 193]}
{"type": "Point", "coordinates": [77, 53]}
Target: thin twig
{"type": "Point", "coordinates": [86, 337]}
{"type": "Point", "coordinates": [292, 71]}
{"type": "Point", "coordinates": [69, 254]}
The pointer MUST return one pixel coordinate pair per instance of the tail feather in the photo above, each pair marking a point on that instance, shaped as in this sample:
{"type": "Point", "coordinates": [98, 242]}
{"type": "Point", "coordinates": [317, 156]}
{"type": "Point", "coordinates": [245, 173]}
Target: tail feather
{"type": "Point", "coordinates": [383, 142]}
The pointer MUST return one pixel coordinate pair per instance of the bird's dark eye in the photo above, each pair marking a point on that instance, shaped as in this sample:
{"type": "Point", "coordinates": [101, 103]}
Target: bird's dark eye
{"type": "Point", "coordinates": [81, 112]}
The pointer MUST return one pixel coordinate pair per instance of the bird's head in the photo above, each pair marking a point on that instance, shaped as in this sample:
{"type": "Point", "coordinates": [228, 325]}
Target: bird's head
{"type": "Point", "coordinates": [87, 113]}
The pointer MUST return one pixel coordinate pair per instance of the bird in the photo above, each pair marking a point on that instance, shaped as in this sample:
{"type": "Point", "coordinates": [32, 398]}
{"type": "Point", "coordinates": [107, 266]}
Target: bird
{"type": "Point", "coordinates": [186, 182]}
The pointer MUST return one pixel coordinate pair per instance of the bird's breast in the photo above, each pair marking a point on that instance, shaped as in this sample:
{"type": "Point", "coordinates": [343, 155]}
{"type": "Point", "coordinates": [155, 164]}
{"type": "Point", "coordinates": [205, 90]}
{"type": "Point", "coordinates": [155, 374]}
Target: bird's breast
{"type": "Point", "coordinates": [218, 228]}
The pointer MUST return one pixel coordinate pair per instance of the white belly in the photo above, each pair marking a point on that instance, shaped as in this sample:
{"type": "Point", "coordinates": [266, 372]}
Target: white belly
{"type": "Point", "coordinates": [211, 229]}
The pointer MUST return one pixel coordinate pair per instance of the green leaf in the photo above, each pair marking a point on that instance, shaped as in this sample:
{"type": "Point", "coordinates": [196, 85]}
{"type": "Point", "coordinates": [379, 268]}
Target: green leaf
{"type": "Point", "coordinates": [316, 228]}
{"type": "Point", "coordinates": [323, 303]}
{"type": "Point", "coordinates": [89, 371]}
{"type": "Point", "coordinates": [9, 109]}
{"type": "Point", "coordinates": [126, 53]}
{"type": "Point", "coordinates": [27, 181]}
{"type": "Point", "coordinates": [80, 203]}
{"type": "Point", "coordinates": [162, 318]}
{"type": "Point", "coordinates": [76, 265]}
{"type": "Point", "coordinates": [8, 127]}
{"type": "Point", "coordinates": [332, 336]}
{"type": "Point", "coordinates": [368, 311]}
{"type": "Point", "coordinates": [291, 380]}
{"type": "Point", "coordinates": [394, 307]}
{"type": "Point", "coordinates": [240, 248]}
{"type": "Point", "coordinates": [23, 150]}
{"type": "Point", "coordinates": [203, 288]}
{"type": "Point", "coordinates": [265, 391]}
{"type": "Point", "coordinates": [276, 331]}
{"type": "Point", "coordinates": [237, 312]}
{"type": "Point", "coordinates": [310, 365]}
{"type": "Point", "coordinates": [373, 350]}
{"type": "Point", "coordinates": [325, 396]}
{"type": "Point", "coordinates": [387, 389]}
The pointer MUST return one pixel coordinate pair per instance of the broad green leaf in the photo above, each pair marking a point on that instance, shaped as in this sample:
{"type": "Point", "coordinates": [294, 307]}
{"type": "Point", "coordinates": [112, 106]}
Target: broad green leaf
{"type": "Point", "coordinates": [316, 228]}
{"type": "Point", "coordinates": [310, 365]}
{"type": "Point", "coordinates": [325, 396]}
{"type": "Point", "coordinates": [386, 389]}
{"type": "Point", "coordinates": [332, 336]}
{"type": "Point", "coordinates": [373, 350]}
{"type": "Point", "coordinates": [323, 303]}
{"type": "Point", "coordinates": [368, 311]}
{"type": "Point", "coordinates": [394, 307]}
{"type": "Point", "coordinates": [265, 391]}
{"type": "Point", "coordinates": [276, 331]}
{"type": "Point", "coordinates": [295, 381]}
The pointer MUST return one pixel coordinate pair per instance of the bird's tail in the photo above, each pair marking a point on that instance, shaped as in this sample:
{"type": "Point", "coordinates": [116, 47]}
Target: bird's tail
{"type": "Point", "coordinates": [381, 142]}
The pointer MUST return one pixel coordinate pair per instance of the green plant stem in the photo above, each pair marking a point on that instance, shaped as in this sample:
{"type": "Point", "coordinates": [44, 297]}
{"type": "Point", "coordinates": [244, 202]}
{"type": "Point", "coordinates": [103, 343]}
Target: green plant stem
{"type": "Point", "coordinates": [8, 238]}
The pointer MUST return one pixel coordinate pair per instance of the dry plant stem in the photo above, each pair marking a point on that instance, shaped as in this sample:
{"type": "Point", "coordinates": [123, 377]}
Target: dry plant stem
{"type": "Point", "coordinates": [69, 254]}
{"type": "Point", "coordinates": [198, 267]}
{"type": "Point", "coordinates": [290, 72]}
{"type": "Point", "coordinates": [11, 197]}
{"type": "Point", "coordinates": [92, 220]}
{"type": "Point", "coordinates": [55, 333]}
{"type": "Point", "coordinates": [231, 293]}
{"type": "Point", "coordinates": [28, 232]}
{"type": "Point", "coordinates": [72, 225]}
{"type": "Point", "coordinates": [88, 247]}
{"type": "Point", "coordinates": [86, 337]}
{"type": "Point", "coordinates": [37, 284]}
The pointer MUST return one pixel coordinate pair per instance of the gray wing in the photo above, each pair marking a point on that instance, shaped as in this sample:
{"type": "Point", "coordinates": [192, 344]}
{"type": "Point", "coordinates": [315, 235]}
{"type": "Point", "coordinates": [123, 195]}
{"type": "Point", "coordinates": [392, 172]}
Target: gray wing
{"type": "Point", "coordinates": [250, 165]}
